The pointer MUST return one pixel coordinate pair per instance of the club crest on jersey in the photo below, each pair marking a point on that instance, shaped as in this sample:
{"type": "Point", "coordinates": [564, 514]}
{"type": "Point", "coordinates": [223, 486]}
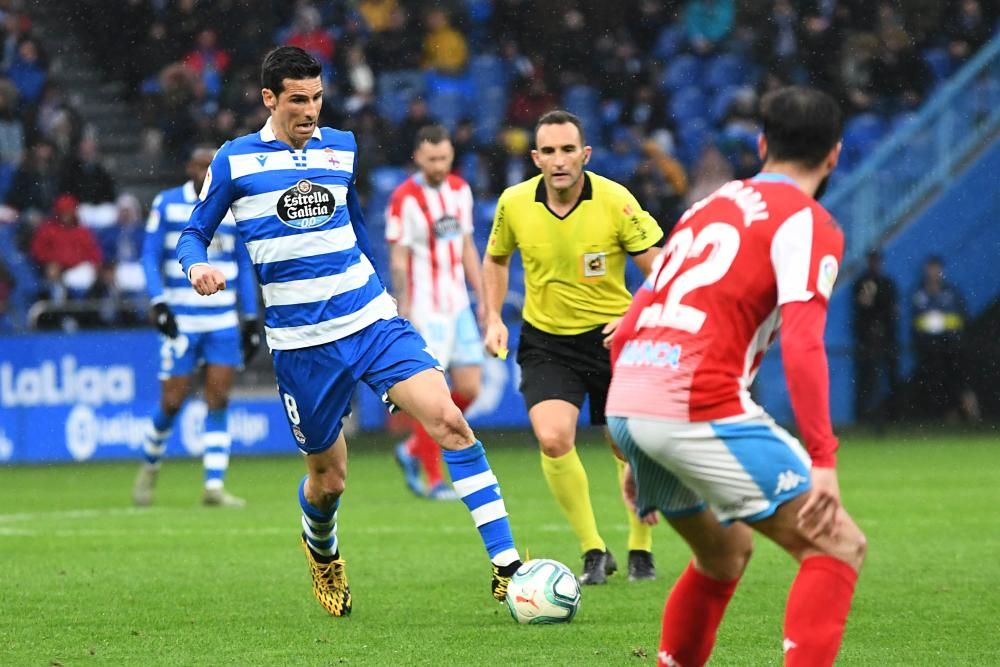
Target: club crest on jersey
{"type": "Point", "coordinates": [300, 437]}
{"type": "Point", "coordinates": [447, 226]}
{"type": "Point", "coordinates": [594, 264]}
{"type": "Point", "coordinates": [305, 205]}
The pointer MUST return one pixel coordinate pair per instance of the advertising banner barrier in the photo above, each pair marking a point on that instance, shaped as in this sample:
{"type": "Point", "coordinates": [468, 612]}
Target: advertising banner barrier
{"type": "Point", "coordinates": [89, 396]}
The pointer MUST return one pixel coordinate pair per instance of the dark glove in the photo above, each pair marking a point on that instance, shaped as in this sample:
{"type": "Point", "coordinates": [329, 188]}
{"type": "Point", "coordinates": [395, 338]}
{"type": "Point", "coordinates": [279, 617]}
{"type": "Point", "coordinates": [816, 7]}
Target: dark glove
{"type": "Point", "coordinates": [250, 333]}
{"type": "Point", "coordinates": [164, 320]}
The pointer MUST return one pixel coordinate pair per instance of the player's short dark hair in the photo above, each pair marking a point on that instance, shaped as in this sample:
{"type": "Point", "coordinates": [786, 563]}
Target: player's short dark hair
{"type": "Point", "coordinates": [559, 117]}
{"type": "Point", "coordinates": [800, 124]}
{"type": "Point", "coordinates": [431, 134]}
{"type": "Point", "coordinates": [287, 62]}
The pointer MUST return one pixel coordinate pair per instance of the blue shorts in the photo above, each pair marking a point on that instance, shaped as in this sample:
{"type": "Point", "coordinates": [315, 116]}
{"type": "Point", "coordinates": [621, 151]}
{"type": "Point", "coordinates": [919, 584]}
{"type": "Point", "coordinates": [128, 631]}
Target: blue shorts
{"type": "Point", "coordinates": [182, 355]}
{"type": "Point", "coordinates": [742, 469]}
{"type": "Point", "coordinates": [316, 383]}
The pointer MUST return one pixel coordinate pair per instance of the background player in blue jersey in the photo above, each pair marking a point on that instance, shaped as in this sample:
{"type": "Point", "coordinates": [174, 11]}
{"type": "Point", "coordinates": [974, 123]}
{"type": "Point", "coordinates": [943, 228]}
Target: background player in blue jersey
{"type": "Point", "coordinates": [195, 331]}
{"type": "Point", "coordinates": [328, 319]}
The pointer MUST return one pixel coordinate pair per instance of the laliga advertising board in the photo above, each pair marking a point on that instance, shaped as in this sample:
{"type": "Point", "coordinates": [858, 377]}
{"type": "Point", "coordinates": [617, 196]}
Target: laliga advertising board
{"type": "Point", "coordinates": [89, 396]}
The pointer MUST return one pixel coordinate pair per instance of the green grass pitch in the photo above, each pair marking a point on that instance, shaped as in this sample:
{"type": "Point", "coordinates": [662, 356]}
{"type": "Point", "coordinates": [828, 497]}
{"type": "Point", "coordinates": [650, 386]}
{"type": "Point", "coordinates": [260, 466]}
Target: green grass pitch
{"type": "Point", "coordinates": [87, 580]}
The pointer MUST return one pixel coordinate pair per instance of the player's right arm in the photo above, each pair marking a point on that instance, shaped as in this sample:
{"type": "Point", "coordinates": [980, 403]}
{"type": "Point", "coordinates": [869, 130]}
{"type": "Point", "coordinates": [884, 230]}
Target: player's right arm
{"type": "Point", "coordinates": [152, 266]}
{"type": "Point", "coordinates": [216, 197]}
{"type": "Point", "coordinates": [496, 276]}
{"type": "Point", "coordinates": [398, 236]}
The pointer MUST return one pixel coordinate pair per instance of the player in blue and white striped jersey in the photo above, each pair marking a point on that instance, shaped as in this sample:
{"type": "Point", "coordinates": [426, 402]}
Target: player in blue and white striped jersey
{"type": "Point", "coordinates": [328, 319]}
{"type": "Point", "coordinates": [195, 330]}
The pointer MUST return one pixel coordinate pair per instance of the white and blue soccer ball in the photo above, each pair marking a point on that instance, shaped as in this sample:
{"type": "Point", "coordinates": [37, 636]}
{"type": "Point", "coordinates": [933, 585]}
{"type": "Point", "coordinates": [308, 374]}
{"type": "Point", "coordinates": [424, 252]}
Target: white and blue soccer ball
{"type": "Point", "coordinates": [543, 591]}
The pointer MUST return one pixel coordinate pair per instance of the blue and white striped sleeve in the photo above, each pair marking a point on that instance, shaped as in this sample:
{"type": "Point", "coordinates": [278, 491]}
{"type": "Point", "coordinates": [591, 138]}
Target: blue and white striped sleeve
{"type": "Point", "coordinates": [216, 196]}
{"type": "Point", "coordinates": [246, 286]}
{"type": "Point", "coordinates": [152, 251]}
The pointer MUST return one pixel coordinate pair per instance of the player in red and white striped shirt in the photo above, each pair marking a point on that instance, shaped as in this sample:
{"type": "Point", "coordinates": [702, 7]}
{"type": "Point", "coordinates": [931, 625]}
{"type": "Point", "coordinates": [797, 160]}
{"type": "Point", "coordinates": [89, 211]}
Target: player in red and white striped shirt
{"type": "Point", "coordinates": [434, 261]}
{"type": "Point", "coordinates": [755, 255]}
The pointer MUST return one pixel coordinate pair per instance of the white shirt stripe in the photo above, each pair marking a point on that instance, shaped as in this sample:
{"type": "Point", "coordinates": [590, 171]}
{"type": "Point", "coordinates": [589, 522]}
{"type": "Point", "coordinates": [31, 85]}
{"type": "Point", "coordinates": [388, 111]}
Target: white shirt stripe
{"type": "Point", "coordinates": [289, 338]}
{"type": "Point", "coordinates": [469, 485]}
{"type": "Point", "coordinates": [310, 290]}
{"type": "Point", "coordinates": [177, 212]}
{"type": "Point", "coordinates": [266, 203]}
{"type": "Point", "coordinates": [203, 323]}
{"type": "Point", "coordinates": [277, 160]}
{"type": "Point", "coordinates": [307, 244]}
{"type": "Point", "coordinates": [791, 254]}
{"type": "Point", "coordinates": [489, 512]}
{"type": "Point", "coordinates": [186, 296]}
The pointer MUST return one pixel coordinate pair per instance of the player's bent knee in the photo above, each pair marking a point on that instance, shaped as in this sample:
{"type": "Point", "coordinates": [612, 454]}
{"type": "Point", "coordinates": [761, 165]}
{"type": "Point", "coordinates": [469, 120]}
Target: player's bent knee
{"type": "Point", "coordinates": [553, 443]}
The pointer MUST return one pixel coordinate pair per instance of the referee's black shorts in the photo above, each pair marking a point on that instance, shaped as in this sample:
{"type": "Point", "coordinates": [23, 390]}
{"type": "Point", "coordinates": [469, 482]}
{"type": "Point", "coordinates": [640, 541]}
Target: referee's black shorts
{"type": "Point", "coordinates": [565, 368]}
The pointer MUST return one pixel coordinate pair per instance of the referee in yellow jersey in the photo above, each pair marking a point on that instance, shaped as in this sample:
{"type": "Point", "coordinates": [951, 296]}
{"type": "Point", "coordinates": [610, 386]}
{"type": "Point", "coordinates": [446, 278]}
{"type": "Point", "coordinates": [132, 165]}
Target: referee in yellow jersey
{"type": "Point", "coordinates": [574, 230]}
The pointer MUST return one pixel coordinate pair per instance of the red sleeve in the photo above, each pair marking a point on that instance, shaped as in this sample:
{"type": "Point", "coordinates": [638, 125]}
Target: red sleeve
{"type": "Point", "coordinates": [804, 358]}
{"type": "Point", "coordinates": [41, 245]}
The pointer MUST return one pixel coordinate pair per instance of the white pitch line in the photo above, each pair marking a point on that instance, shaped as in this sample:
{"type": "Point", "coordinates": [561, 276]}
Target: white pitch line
{"type": "Point", "coordinates": [161, 530]}
{"type": "Point", "coordinates": [76, 514]}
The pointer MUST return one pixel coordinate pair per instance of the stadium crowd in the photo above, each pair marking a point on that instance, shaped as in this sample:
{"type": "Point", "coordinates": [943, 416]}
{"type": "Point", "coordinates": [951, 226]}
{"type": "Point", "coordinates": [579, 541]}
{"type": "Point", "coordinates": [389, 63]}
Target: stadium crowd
{"type": "Point", "coordinates": [667, 92]}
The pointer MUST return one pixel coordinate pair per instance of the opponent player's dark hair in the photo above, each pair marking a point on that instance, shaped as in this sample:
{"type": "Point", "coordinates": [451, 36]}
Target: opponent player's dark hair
{"type": "Point", "coordinates": [432, 134]}
{"type": "Point", "coordinates": [287, 62]}
{"type": "Point", "coordinates": [800, 124]}
{"type": "Point", "coordinates": [558, 117]}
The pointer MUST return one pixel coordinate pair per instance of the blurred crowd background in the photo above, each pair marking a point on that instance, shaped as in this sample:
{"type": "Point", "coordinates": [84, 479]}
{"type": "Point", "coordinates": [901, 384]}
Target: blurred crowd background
{"type": "Point", "coordinates": [100, 103]}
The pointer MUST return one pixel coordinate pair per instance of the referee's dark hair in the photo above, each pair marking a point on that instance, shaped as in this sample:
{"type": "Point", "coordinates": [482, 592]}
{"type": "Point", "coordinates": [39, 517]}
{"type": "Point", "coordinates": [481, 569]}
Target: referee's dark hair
{"type": "Point", "coordinates": [558, 117]}
{"type": "Point", "coordinates": [432, 134]}
{"type": "Point", "coordinates": [287, 62]}
{"type": "Point", "coordinates": [800, 124]}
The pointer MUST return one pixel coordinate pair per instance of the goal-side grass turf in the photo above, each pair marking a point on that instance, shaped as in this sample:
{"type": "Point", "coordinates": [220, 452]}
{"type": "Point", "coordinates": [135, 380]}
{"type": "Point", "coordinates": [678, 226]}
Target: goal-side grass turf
{"type": "Point", "coordinates": [87, 580]}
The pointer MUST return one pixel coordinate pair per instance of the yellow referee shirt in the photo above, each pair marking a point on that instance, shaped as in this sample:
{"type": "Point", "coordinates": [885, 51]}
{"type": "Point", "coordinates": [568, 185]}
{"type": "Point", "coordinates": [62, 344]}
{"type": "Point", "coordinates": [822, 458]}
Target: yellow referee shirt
{"type": "Point", "coordinates": [574, 267]}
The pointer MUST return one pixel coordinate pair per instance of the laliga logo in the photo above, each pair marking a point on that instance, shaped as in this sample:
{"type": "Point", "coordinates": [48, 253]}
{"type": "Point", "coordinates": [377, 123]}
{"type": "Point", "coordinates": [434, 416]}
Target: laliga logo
{"type": "Point", "coordinates": [68, 383]}
{"type": "Point", "coordinates": [86, 431]}
{"type": "Point", "coordinates": [6, 447]}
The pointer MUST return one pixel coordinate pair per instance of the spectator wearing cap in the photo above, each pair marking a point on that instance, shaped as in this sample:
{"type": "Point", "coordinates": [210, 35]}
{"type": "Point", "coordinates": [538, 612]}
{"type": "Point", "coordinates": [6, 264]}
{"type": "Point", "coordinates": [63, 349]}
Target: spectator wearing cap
{"type": "Point", "coordinates": [67, 252]}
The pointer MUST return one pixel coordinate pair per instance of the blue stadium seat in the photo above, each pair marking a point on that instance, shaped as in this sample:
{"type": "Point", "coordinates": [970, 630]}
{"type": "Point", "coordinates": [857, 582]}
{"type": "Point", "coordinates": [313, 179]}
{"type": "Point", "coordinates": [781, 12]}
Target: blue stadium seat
{"type": "Point", "coordinates": [721, 102]}
{"type": "Point", "coordinates": [861, 134]}
{"type": "Point", "coordinates": [669, 43]}
{"type": "Point", "coordinates": [600, 158]}
{"type": "Point", "coordinates": [692, 137]}
{"type": "Point", "coordinates": [447, 107]}
{"type": "Point", "coordinates": [486, 71]}
{"type": "Point", "coordinates": [482, 221]}
{"type": "Point", "coordinates": [385, 179]}
{"type": "Point", "coordinates": [682, 71]}
{"type": "Point", "coordinates": [468, 168]}
{"type": "Point", "coordinates": [7, 172]}
{"type": "Point", "coordinates": [687, 104]}
{"type": "Point", "coordinates": [437, 83]}
{"type": "Point", "coordinates": [582, 100]}
{"type": "Point", "coordinates": [725, 70]}
{"type": "Point", "coordinates": [939, 62]}
{"type": "Point", "coordinates": [395, 90]}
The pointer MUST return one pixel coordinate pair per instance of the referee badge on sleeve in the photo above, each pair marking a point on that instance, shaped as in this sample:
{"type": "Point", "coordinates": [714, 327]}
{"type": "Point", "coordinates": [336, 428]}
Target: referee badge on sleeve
{"type": "Point", "coordinates": [595, 264]}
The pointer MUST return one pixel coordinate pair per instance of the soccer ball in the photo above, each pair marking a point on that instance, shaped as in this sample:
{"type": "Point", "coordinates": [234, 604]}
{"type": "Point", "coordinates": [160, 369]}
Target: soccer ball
{"type": "Point", "coordinates": [543, 591]}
